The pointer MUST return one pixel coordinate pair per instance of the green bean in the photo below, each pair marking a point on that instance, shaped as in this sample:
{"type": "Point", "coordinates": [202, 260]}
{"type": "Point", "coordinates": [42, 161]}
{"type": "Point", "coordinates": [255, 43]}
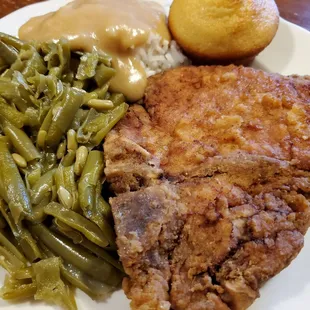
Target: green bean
{"type": "Point", "coordinates": [112, 118]}
{"type": "Point", "coordinates": [63, 229]}
{"type": "Point", "coordinates": [32, 176]}
{"type": "Point", "coordinates": [22, 235]}
{"type": "Point", "coordinates": [105, 209]}
{"type": "Point", "coordinates": [64, 116]}
{"type": "Point", "coordinates": [80, 84]}
{"type": "Point", "coordinates": [17, 289]}
{"type": "Point", "coordinates": [15, 192]}
{"type": "Point", "coordinates": [47, 93]}
{"type": "Point", "coordinates": [103, 74]}
{"type": "Point", "coordinates": [44, 84]}
{"type": "Point", "coordinates": [88, 65]}
{"type": "Point", "coordinates": [90, 177]}
{"type": "Point", "coordinates": [79, 118]}
{"type": "Point", "coordinates": [34, 62]}
{"type": "Point", "coordinates": [12, 41]}
{"type": "Point", "coordinates": [100, 252]}
{"type": "Point", "coordinates": [82, 135]}
{"type": "Point", "coordinates": [38, 211]}
{"type": "Point", "coordinates": [78, 222]}
{"type": "Point", "coordinates": [84, 282]}
{"type": "Point", "coordinates": [50, 287]}
{"type": "Point", "coordinates": [44, 128]}
{"type": "Point", "coordinates": [13, 92]}
{"type": "Point", "coordinates": [2, 221]}
{"type": "Point", "coordinates": [3, 65]}
{"type": "Point", "coordinates": [21, 142]}
{"type": "Point", "coordinates": [105, 59]}
{"type": "Point", "coordinates": [8, 113]}
{"type": "Point", "coordinates": [5, 140]}
{"type": "Point", "coordinates": [58, 57]}
{"type": "Point", "coordinates": [80, 279]}
{"type": "Point", "coordinates": [96, 124]}
{"type": "Point", "coordinates": [10, 247]}
{"type": "Point", "coordinates": [69, 159]}
{"type": "Point", "coordinates": [76, 255]}
{"type": "Point", "coordinates": [117, 99]}
{"type": "Point", "coordinates": [99, 93]}
{"type": "Point", "coordinates": [48, 161]}
{"type": "Point", "coordinates": [25, 92]}
{"type": "Point", "coordinates": [106, 228]}
{"type": "Point", "coordinates": [9, 261]}
{"type": "Point", "coordinates": [18, 78]}
{"type": "Point", "coordinates": [32, 117]}
{"type": "Point", "coordinates": [61, 150]}
{"type": "Point", "coordinates": [43, 187]}
{"type": "Point", "coordinates": [8, 53]}
{"type": "Point", "coordinates": [23, 273]}
{"type": "Point", "coordinates": [64, 177]}
{"type": "Point", "coordinates": [3, 193]}
{"type": "Point", "coordinates": [89, 187]}
{"type": "Point", "coordinates": [18, 65]}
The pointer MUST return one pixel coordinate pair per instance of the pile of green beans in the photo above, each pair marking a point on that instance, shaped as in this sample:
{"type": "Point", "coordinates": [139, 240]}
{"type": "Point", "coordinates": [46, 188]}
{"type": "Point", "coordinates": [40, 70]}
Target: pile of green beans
{"type": "Point", "coordinates": [55, 226]}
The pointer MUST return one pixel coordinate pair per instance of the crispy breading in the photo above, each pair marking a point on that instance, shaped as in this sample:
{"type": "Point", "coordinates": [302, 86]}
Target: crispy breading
{"type": "Point", "coordinates": [213, 185]}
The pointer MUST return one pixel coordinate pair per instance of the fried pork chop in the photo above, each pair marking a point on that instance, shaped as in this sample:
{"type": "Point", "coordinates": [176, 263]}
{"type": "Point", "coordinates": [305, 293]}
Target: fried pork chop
{"type": "Point", "coordinates": [212, 181]}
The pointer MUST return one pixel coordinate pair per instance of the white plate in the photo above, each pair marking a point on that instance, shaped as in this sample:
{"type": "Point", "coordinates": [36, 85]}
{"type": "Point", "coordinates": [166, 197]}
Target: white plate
{"type": "Point", "coordinates": [288, 54]}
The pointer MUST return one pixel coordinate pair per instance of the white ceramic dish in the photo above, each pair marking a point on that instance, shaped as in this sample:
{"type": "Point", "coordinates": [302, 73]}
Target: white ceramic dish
{"type": "Point", "coordinates": [288, 54]}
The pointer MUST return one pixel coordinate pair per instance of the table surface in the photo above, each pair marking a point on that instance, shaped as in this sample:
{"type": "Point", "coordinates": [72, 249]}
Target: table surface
{"type": "Point", "coordinates": [296, 11]}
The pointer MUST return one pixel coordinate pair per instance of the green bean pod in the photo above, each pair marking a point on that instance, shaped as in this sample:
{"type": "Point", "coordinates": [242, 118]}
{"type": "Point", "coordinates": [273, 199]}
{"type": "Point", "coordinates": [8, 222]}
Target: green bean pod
{"type": "Point", "coordinates": [2, 221]}
{"type": "Point", "coordinates": [12, 41]}
{"type": "Point", "coordinates": [64, 116]}
{"type": "Point", "coordinates": [84, 282]}
{"type": "Point", "coordinates": [88, 65]}
{"type": "Point", "coordinates": [91, 175]}
{"type": "Point", "coordinates": [11, 247]}
{"type": "Point", "coordinates": [113, 117]}
{"type": "Point", "coordinates": [23, 273]}
{"type": "Point", "coordinates": [22, 236]}
{"type": "Point", "coordinates": [43, 187]}
{"type": "Point", "coordinates": [100, 252]}
{"type": "Point", "coordinates": [10, 262]}
{"type": "Point", "coordinates": [8, 53]}
{"type": "Point", "coordinates": [78, 222]}
{"type": "Point", "coordinates": [103, 74]}
{"type": "Point", "coordinates": [34, 62]}
{"type": "Point", "coordinates": [76, 255]}
{"type": "Point", "coordinates": [105, 209]}
{"type": "Point", "coordinates": [8, 113]}
{"type": "Point", "coordinates": [82, 135]}
{"type": "Point", "coordinates": [80, 279]}
{"type": "Point", "coordinates": [63, 229]}
{"type": "Point", "coordinates": [13, 187]}
{"type": "Point", "coordinates": [65, 178]}
{"type": "Point", "coordinates": [50, 286]}
{"type": "Point", "coordinates": [14, 289]}
{"type": "Point", "coordinates": [117, 99]}
{"type": "Point", "coordinates": [21, 142]}
{"type": "Point", "coordinates": [38, 211]}
{"type": "Point", "coordinates": [69, 159]}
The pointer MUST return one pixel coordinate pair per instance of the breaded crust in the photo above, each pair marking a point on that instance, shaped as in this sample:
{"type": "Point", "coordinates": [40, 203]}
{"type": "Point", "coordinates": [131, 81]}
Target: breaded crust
{"type": "Point", "coordinates": [213, 184]}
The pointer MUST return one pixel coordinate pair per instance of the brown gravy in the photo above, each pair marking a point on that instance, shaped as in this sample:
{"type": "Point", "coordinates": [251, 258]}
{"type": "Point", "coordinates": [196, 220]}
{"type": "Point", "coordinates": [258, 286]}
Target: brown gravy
{"type": "Point", "coordinates": [116, 27]}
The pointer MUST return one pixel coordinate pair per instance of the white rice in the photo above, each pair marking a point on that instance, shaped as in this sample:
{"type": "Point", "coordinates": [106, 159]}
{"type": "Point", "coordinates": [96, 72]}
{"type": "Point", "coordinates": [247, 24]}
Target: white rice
{"type": "Point", "coordinates": [158, 55]}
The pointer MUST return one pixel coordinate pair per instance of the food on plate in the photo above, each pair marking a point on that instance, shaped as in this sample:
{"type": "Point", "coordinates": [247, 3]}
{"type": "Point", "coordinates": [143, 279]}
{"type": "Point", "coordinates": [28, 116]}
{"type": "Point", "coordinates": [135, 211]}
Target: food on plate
{"type": "Point", "coordinates": [56, 107]}
{"type": "Point", "coordinates": [223, 31]}
{"type": "Point", "coordinates": [213, 181]}
{"type": "Point", "coordinates": [133, 32]}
